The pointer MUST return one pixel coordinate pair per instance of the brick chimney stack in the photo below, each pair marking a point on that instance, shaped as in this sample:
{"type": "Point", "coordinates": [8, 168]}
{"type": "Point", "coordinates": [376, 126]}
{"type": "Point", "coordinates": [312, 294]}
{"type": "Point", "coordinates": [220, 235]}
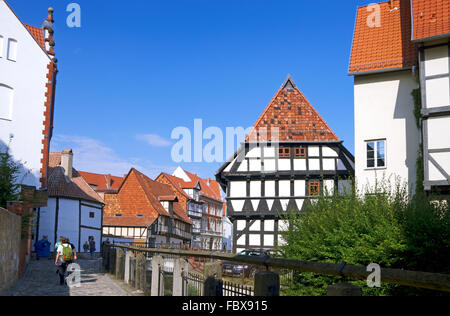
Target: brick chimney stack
{"type": "Point", "coordinates": [108, 181]}
{"type": "Point", "coordinates": [67, 162]}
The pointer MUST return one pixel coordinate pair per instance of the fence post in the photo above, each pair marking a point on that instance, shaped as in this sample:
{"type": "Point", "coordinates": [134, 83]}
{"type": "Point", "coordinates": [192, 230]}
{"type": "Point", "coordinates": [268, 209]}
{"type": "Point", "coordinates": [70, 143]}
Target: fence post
{"type": "Point", "coordinates": [157, 276]}
{"type": "Point", "coordinates": [180, 268]}
{"type": "Point", "coordinates": [112, 260]}
{"type": "Point", "coordinates": [267, 284]}
{"type": "Point", "coordinates": [120, 264]}
{"type": "Point", "coordinates": [128, 257]}
{"type": "Point", "coordinates": [141, 261]}
{"type": "Point", "coordinates": [213, 285]}
{"type": "Point", "coordinates": [106, 257]}
{"type": "Point", "coordinates": [344, 289]}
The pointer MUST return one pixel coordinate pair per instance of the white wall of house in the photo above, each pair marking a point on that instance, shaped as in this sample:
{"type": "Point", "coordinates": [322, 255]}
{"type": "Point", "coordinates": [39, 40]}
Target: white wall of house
{"type": "Point", "coordinates": [69, 224]}
{"type": "Point", "coordinates": [436, 89]}
{"type": "Point", "coordinates": [23, 70]}
{"type": "Point", "coordinates": [384, 111]}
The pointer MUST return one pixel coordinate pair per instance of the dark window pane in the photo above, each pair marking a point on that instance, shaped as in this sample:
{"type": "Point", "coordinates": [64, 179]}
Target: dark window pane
{"type": "Point", "coordinates": [370, 163]}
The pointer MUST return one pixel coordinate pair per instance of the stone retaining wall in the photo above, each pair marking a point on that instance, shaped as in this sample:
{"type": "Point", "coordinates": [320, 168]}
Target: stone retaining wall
{"type": "Point", "coordinates": [10, 240]}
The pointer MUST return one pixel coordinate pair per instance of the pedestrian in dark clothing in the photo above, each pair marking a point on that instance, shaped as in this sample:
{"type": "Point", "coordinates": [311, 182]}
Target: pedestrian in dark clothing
{"type": "Point", "coordinates": [92, 246]}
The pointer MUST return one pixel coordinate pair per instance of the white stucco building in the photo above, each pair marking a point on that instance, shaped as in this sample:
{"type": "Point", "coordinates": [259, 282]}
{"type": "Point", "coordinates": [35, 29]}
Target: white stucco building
{"type": "Point", "coordinates": [401, 95]}
{"type": "Point", "coordinates": [27, 92]}
{"type": "Point", "coordinates": [74, 209]}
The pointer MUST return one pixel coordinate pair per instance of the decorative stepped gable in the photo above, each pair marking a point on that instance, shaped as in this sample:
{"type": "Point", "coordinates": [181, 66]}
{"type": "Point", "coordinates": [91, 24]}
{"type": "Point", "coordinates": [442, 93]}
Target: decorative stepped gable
{"type": "Point", "coordinates": [290, 117]}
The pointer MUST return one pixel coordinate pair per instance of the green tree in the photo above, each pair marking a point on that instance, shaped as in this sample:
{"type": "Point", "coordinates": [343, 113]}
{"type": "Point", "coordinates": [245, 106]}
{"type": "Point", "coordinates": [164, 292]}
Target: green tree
{"type": "Point", "coordinates": [9, 171]}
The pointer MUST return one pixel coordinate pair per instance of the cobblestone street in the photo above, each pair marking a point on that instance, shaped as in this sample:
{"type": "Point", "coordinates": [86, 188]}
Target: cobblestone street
{"type": "Point", "coordinates": [40, 279]}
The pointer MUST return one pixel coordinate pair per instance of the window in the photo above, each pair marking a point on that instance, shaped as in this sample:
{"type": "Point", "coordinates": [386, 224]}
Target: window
{"type": "Point", "coordinates": [376, 154]}
{"type": "Point", "coordinates": [314, 188]}
{"type": "Point", "coordinates": [6, 100]}
{"type": "Point", "coordinates": [91, 214]}
{"type": "Point", "coordinates": [1, 46]}
{"type": "Point", "coordinates": [284, 152]}
{"type": "Point", "coordinates": [12, 49]}
{"type": "Point", "coordinates": [300, 152]}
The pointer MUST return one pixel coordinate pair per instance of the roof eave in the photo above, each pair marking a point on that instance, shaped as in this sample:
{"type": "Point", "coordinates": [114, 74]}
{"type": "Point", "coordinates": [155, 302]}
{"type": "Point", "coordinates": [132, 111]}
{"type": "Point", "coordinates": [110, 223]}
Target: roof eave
{"type": "Point", "coordinates": [431, 38]}
{"type": "Point", "coordinates": [378, 71]}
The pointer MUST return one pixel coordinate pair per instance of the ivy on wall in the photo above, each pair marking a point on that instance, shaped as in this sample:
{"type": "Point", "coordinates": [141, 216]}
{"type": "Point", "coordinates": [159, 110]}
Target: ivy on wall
{"type": "Point", "coordinates": [420, 172]}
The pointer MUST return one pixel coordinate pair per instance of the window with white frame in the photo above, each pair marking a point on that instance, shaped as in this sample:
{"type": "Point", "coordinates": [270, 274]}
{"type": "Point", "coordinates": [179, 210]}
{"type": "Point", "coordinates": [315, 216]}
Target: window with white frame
{"type": "Point", "coordinates": [6, 99]}
{"type": "Point", "coordinates": [1, 46]}
{"type": "Point", "coordinates": [12, 49]}
{"type": "Point", "coordinates": [376, 154]}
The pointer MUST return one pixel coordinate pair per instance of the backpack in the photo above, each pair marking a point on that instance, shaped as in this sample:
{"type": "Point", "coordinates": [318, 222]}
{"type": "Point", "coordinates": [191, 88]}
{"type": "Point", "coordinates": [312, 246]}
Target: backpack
{"type": "Point", "coordinates": [67, 253]}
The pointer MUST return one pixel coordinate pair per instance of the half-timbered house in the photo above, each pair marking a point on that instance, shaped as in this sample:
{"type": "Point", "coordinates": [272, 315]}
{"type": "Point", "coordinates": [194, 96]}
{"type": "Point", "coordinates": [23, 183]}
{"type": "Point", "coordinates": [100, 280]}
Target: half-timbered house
{"type": "Point", "coordinates": [290, 155]}
{"type": "Point", "coordinates": [402, 94]}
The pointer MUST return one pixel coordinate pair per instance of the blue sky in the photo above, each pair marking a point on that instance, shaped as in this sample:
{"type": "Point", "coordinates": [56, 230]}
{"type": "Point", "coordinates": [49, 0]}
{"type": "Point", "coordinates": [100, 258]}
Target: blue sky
{"type": "Point", "coordinates": [135, 70]}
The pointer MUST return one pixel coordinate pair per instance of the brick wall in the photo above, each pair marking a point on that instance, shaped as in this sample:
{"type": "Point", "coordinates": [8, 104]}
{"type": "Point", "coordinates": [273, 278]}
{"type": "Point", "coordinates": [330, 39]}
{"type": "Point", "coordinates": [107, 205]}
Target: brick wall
{"type": "Point", "coordinates": [10, 245]}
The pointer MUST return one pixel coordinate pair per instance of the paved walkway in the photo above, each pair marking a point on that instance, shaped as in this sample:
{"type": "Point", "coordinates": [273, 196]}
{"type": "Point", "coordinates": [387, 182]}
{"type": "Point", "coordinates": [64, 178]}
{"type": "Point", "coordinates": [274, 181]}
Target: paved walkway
{"type": "Point", "coordinates": [40, 279]}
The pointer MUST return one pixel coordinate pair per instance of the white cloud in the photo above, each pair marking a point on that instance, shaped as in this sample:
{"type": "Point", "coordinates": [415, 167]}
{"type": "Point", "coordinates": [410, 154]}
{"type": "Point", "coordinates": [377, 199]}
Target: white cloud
{"type": "Point", "coordinates": [154, 140]}
{"type": "Point", "coordinates": [91, 155]}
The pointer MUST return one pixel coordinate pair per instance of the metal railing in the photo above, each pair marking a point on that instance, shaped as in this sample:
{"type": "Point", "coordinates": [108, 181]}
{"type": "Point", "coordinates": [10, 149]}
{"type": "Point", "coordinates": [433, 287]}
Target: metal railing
{"type": "Point", "coordinates": [425, 280]}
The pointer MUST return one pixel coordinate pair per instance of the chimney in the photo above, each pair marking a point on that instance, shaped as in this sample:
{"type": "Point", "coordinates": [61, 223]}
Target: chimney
{"type": "Point", "coordinates": [108, 181]}
{"type": "Point", "coordinates": [47, 27]}
{"type": "Point", "coordinates": [67, 162]}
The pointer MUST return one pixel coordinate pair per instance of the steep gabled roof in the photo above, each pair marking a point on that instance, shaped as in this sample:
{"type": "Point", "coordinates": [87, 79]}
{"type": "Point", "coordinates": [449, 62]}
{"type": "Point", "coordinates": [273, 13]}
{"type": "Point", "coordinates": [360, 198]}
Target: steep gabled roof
{"type": "Point", "coordinates": [387, 46]}
{"type": "Point", "coordinates": [291, 116]}
{"type": "Point", "coordinates": [103, 182]}
{"type": "Point", "coordinates": [208, 188]}
{"type": "Point", "coordinates": [431, 19]}
{"type": "Point", "coordinates": [60, 186]}
{"type": "Point", "coordinates": [139, 194]}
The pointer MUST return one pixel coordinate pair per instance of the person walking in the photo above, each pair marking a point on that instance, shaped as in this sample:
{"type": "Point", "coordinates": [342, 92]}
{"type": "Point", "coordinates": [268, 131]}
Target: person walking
{"type": "Point", "coordinates": [42, 248]}
{"type": "Point", "coordinates": [92, 246]}
{"type": "Point", "coordinates": [65, 255]}
{"type": "Point", "coordinates": [86, 247]}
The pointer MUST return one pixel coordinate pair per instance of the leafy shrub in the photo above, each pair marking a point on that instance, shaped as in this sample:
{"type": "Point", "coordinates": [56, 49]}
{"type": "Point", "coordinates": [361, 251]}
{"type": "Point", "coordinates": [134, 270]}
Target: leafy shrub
{"type": "Point", "coordinates": [382, 227]}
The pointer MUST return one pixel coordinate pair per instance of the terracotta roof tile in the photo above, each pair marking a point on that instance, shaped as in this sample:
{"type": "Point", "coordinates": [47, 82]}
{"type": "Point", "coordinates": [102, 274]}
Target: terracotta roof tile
{"type": "Point", "coordinates": [431, 18]}
{"type": "Point", "coordinates": [60, 186]}
{"type": "Point", "coordinates": [101, 181]}
{"type": "Point", "coordinates": [291, 116]}
{"type": "Point", "coordinates": [208, 188]}
{"type": "Point", "coordinates": [128, 221]}
{"type": "Point", "coordinates": [37, 33]}
{"type": "Point", "coordinates": [141, 195]}
{"type": "Point", "coordinates": [386, 47]}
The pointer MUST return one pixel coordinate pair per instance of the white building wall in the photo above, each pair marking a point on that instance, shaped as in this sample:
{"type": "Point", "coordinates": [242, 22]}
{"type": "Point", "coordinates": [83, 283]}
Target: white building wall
{"type": "Point", "coordinates": [68, 220]}
{"type": "Point", "coordinates": [46, 221]}
{"type": "Point", "coordinates": [25, 78]}
{"type": "Point", "coordinates": [384, 111]}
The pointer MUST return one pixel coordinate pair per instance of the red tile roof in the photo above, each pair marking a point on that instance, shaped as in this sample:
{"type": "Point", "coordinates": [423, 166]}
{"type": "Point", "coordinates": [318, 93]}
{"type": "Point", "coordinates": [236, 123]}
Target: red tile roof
{"type": "Point", "coordinates": [430, 18]}
{"type": "Point", "coordinates": [386, 47]}
{"type": "Point", "coordinates": [37, 33]}
{"type": "Point", "coordinates": [208, 188]}
{"type": "Point", "coordinates": [103, 182]}
{"type": "Point", "coordinates": [59, 186]}
{"type": "Point", "coordinates": [141, 195]}
{"type": "Point", "coordinates": [129, 221]}
{"type": "Point", "coordinates": [295, 119]}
